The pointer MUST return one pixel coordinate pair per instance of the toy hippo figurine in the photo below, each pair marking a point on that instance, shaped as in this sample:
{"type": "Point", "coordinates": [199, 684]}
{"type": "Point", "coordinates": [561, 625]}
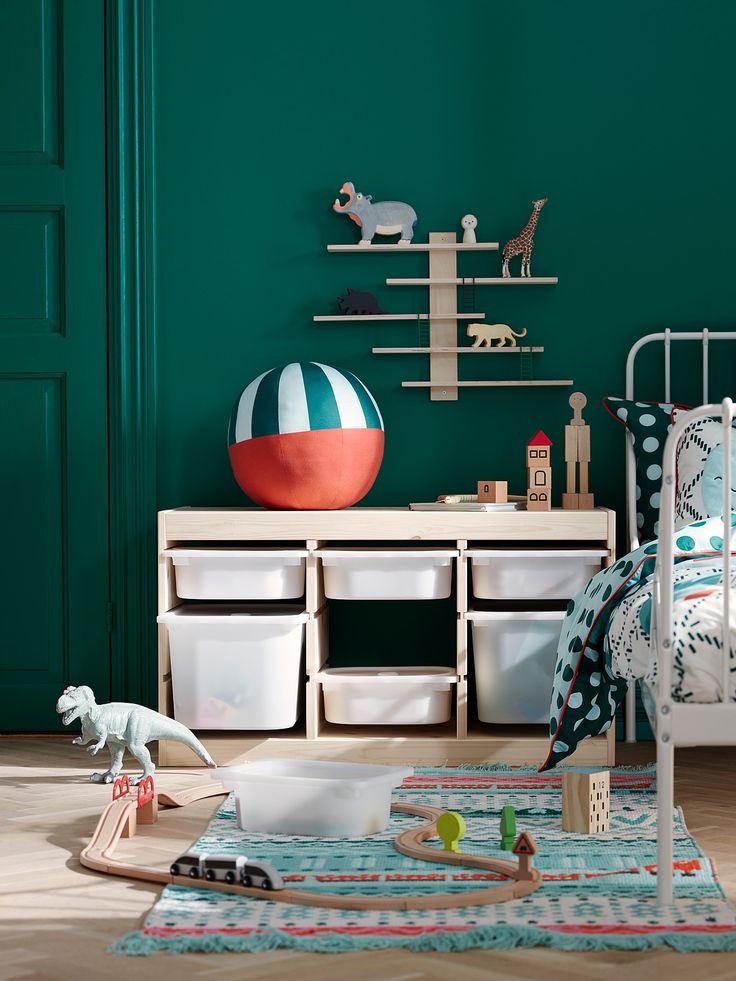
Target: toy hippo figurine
{"type": "Point", "coordinates": [122, 726]}
{"type": "Point", "coordinates": [381, 218]}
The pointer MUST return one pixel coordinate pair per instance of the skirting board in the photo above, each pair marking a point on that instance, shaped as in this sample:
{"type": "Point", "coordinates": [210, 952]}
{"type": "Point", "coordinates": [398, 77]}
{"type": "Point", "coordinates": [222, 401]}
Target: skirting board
{"type": "Point", "coordinates": [229, 749]}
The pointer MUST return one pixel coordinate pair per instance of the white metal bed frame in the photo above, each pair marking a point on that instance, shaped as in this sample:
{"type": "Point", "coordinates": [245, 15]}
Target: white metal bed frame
{"type": "Point", "coordinates": [686, 723]}
{"type": "Point", "coordinates": [680, 723]}
{"type": "Point", "coordinates": [666, 337]}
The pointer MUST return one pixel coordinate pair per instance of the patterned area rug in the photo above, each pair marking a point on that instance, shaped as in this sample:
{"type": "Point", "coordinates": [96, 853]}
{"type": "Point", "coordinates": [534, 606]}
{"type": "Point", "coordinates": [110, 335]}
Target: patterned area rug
{"type": "Point", "coordinates": [598, 891]}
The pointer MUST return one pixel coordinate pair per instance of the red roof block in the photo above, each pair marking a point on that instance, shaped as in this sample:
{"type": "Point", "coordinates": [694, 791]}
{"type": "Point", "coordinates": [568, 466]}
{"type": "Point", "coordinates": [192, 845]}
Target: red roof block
{"type": "Point", "coordinates": [539, 439]}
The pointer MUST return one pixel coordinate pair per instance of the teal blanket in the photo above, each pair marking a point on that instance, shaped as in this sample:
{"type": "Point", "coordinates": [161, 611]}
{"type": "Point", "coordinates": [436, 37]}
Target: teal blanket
{"type": "Point", "coordinates": [586, 692]}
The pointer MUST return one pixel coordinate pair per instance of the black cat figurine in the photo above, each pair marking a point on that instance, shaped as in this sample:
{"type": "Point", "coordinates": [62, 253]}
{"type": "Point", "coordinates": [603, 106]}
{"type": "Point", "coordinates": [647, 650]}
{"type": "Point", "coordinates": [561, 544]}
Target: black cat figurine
{"type": "Point", "coordinates": [357, 302]}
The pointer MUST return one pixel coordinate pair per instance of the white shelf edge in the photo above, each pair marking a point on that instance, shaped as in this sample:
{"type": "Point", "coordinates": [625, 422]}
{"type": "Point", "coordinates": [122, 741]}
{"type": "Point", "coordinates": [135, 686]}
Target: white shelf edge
{"type": "Point", "coordinates": [397, 316]}
{"type": "Point", "coordinates": [419, 247]}
{"type": "Point", "coordinates": [489, 384]}
{"type": "Point", "coordinates": [457, 350]}
{"type": "Point", "coordinates": [485, 281]}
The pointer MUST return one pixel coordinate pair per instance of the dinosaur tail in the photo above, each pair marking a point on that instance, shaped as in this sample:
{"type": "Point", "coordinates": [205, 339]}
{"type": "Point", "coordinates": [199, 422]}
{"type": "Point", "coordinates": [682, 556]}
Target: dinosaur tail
{"type": "Point", "coordinates": [183, 735]}
{"type": "Point", "coordinates": [522, 332]}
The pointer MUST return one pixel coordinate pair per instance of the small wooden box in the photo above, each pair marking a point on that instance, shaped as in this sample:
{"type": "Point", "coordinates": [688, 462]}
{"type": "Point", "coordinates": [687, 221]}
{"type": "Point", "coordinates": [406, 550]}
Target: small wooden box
{"type": "Point", "coordinates": [586, 805]}
{"type": "Point", "coordinates": [493, 491]}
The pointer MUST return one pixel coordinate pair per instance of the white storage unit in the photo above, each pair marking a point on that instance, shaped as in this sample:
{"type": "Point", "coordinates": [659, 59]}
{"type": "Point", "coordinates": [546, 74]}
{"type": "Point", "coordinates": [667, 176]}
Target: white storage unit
{"type": "Point", "coordinates": [313, 797]}
{"type": "Point", "coordinates": [238, 573]}
{"type": "Point", "coordinates": [402, 696]}
{"type": "Point", "coordinates": [539, 574]}
{"type": "Point", "coordinates": [236, 666]}
{"type": "Point", "coordinates": [387, 574]}
{"type": "Point", "coordinates": [384, 541]}
{"type": "Point", "coordinates": [514, 657]}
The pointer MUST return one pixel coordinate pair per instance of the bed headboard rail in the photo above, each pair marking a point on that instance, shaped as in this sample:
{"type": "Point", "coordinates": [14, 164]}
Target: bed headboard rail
{"type": "Point", "coordinates": [705, 337]}
{"type": "Point", "coordinates": [664, 572]}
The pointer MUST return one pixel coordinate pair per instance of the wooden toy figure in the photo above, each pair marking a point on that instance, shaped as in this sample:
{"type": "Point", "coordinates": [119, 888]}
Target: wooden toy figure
{"type": "Point", "coordinates": [381, 218]}
{"type": "Point", "coordinates": [508, 828]}
{"type": "Point", "coordinates": [469, 223]}
{"type": "Point", "coordinates": [451, 828]}
{"type": "Point", "coordinates": [526, 848]}
{"type": "Point", "coordinates": [577, 453]}
{"type": "Point", "coordinates": [486, 334]}
{"type": "Point", "coordinates": [539, 481]}
{"type": "Point", "coordinates": [586, 802]}
{"type": "Point", "coordinates": [523, 244]}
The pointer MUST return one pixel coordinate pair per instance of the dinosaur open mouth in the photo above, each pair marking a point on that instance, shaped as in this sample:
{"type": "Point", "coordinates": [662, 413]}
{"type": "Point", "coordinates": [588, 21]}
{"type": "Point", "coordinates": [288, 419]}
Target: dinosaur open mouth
{"type": "Point", "coordinates": [68, 716]}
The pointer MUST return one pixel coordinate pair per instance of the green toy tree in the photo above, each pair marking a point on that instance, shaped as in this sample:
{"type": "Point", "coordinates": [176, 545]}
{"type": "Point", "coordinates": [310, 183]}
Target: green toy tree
{"type": "Point", "coordinates": [508, 828]}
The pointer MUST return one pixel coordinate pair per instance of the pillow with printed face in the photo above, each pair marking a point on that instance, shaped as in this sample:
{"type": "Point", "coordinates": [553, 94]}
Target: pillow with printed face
{"type": "Point", "coordinates": [648, 423]}
{"type": "Point", "coordinates": [700, 471]}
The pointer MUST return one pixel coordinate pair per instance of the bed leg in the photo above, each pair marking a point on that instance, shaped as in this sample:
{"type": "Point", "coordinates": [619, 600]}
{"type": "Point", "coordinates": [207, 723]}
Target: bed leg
{"type": "Point", "coordinates": [630, 718]}
{"type": "Point", "coordinates": [665, 807]}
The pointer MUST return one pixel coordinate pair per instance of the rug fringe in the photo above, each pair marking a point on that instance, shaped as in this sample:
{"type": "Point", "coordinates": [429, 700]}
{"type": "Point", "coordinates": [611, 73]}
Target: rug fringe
{"type": "Point", "coordinates": [503, 937]}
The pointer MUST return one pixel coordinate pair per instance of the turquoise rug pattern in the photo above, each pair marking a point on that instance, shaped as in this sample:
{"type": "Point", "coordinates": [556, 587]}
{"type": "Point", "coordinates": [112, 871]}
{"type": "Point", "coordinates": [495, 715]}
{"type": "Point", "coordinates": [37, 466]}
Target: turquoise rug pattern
{"type": "Point", "coordinates": [598, 892]}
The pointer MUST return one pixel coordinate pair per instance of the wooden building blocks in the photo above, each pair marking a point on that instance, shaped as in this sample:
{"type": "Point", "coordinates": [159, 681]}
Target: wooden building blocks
{"type": "Point", "coordinates": [539, 470]}
{"type": "Point", "coordinates": [577, 454]}
{"type": "Point", "coordinates": [586, 807]}
{"type": "Point", "coordinates": [493, 491]}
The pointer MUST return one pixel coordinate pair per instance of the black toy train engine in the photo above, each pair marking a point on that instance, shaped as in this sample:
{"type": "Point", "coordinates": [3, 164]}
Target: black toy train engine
{"type": "Point", "coordinates": [228, 868]}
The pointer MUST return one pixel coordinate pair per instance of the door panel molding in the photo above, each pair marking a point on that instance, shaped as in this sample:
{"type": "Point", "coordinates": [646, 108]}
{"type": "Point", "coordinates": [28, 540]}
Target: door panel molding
{"type": "Point", "coordinates": [132, 324]}
{"type": "Point", "coordinates": [33, 129]}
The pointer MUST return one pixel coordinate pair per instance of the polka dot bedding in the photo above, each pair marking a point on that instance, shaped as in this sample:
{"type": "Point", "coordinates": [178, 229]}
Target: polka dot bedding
{"type": "Point", "coordinates": [599, 652]}
{"type": "Point", "coordinates": [648, 423]}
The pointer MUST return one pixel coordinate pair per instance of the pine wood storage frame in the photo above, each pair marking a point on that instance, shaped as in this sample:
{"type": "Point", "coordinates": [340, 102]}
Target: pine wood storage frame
{"type": "Point", "coordinates": [450, 744]}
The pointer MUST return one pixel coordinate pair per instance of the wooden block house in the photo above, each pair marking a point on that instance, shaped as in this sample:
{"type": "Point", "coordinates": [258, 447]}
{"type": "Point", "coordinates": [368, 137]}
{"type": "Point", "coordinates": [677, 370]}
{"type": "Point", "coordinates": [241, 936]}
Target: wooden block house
{"type": "Point", "coordinates": [586, 807]}
{"type": "Point", "coordinates": [539, 471]}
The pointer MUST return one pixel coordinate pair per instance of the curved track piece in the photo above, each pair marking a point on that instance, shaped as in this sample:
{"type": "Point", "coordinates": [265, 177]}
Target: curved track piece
{"type": "Point", "coordinates": [98, 855]}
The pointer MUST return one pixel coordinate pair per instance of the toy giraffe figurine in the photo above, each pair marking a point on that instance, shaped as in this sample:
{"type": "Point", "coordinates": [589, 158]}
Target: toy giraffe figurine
{"type": "Point", "coordinates": [577, 454]}
{"type": "Point", "coordinates": [523, 244]}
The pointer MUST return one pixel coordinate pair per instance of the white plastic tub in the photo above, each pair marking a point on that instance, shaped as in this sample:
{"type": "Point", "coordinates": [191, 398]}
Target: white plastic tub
{"type": "Point", "coordinates": [236, 666]}
{"type": "Point", "coordinates": [238, 574]}
{"type": "Point", "coordinates": [313, 797]}
{"type": "Point", "coordinates": [514, 656]}
{"type": "Point", "coordinates": [540, 574]}
{"type": "Point", "coordinates": [387, 574]}
{"type": "Point", "coordinates": [387, 696]}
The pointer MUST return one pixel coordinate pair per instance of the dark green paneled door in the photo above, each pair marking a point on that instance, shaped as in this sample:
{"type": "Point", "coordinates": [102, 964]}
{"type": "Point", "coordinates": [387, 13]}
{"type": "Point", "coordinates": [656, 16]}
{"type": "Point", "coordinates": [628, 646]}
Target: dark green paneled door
{"type": "Point", "coordinates": [53, 351]}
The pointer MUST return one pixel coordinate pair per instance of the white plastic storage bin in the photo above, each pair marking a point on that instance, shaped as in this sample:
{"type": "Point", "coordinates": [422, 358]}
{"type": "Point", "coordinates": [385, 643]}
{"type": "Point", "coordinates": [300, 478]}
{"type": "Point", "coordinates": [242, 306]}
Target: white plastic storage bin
{"type": "Point", "coordinates": [236, 666]}
{"type": "Point", "coordinates": [387, 696]}
{"type": "Point", "coordinates": [387, 574]}
{"type": "Point", "coordinates": [237, 573]}
{"type": "Point", "coordinates": [539, 574]}
{"type": "Point", "coordinates": [514, 656]}
{"type": "Point", "coordinates": [312, 797]}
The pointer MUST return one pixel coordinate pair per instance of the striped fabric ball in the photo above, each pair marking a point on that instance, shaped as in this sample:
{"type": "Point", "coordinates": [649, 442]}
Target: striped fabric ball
{"type": "Point", "coordinates": [306, 436]}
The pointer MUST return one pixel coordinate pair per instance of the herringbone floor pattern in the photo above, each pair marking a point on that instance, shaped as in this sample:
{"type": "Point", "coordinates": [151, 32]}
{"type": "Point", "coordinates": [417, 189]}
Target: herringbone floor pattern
{"type": "Point", "coordinates": [56, 918]}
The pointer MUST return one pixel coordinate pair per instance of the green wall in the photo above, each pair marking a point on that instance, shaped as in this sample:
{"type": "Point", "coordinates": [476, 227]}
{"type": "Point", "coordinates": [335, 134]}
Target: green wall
{"type": "Point", "coordinates": [620, 113]}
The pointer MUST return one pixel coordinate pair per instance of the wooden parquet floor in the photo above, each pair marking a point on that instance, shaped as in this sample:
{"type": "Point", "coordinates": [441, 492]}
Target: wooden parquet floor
{"type": "Point", "coordinates": [56, 918]}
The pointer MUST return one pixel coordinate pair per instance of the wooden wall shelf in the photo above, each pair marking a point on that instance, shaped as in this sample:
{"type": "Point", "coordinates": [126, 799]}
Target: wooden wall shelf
{"type": "Point", "coordinates": [399, 316]}
{"type": "Point", "coordinates": [521, 383]}
{"type": "Point", "coordinates": [419, 247]}
{"type": "Point", "coordinates": [457, 350]}
{"type": "Point", "coordinates": [451, 743]}
{"type": "Point", "coordinates": [478, 281]}
{"type": "Point", "coordinates": [443, 317]}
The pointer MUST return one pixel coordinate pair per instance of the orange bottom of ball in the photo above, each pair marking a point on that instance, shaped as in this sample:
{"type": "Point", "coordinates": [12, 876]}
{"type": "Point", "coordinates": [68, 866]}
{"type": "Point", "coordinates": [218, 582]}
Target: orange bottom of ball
{"type": "Point", "coordinates": [323, 469]}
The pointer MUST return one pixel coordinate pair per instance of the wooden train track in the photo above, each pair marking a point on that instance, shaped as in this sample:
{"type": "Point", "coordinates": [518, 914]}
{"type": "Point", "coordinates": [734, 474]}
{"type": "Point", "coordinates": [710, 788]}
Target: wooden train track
{"type": "Point", "coordinates": [99, 855]}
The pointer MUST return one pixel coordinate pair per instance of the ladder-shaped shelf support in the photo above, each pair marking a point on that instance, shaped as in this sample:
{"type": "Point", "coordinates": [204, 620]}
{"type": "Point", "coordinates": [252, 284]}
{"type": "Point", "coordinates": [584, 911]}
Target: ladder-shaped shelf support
{"type": "Point", "coordinates": [439, 342]}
